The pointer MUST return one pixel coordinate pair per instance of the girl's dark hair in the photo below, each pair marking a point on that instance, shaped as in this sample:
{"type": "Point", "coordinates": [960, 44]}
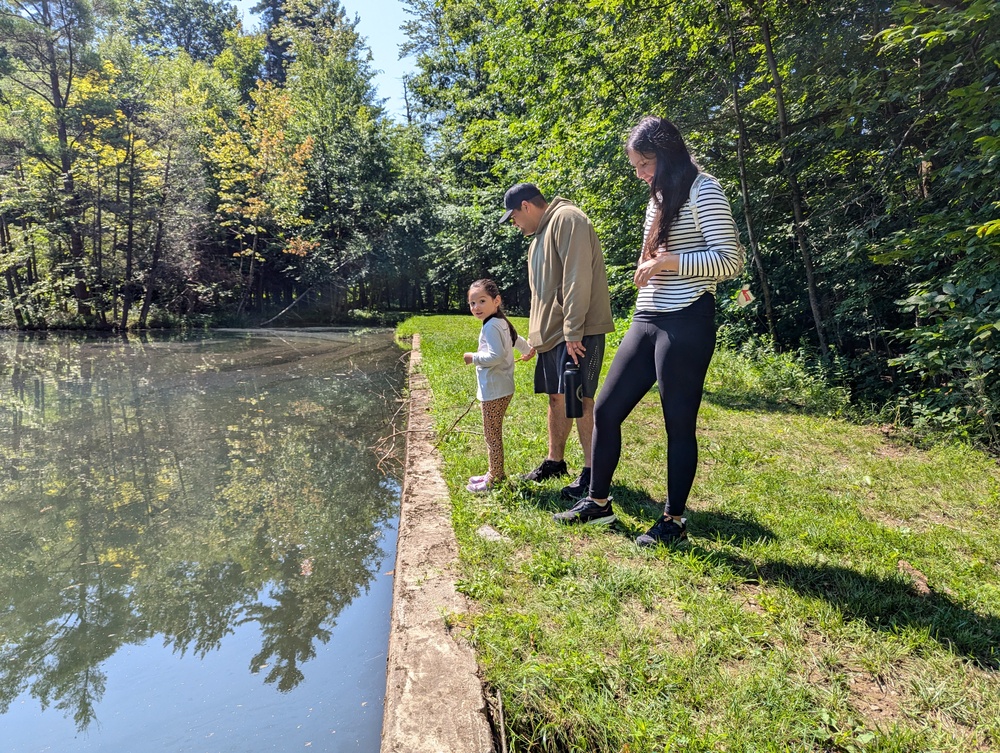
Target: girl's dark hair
{"type": "Point", "coordinates": [672, 179]}
{"type": "Point", "coordinates": [490, 288]}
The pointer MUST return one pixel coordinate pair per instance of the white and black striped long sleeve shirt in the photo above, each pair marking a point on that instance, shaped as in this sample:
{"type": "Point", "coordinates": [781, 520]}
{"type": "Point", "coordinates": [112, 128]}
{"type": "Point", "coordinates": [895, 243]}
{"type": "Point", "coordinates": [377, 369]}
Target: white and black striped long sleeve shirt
{"type": "Point", "coordinates": [705, 257]}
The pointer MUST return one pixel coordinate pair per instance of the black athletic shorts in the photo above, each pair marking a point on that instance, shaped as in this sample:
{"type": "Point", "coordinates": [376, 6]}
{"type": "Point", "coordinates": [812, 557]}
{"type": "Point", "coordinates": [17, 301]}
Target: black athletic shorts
{"type": "Point", "coordinates": [549, 367]}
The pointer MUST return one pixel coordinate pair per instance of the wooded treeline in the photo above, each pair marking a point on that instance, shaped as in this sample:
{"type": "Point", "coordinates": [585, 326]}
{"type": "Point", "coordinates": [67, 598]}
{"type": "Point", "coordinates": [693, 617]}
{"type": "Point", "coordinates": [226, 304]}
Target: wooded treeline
{"type": "Point", "coordinates": [859, 144]}
{"type": "Point", "coordinates": [161, 164]}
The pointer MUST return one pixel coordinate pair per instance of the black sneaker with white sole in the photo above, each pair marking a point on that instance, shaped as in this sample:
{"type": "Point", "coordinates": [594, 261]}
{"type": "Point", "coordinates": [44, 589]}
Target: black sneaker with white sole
{"type": "Point", "coordinates": [548, 469]}
{"type": "Point", "coordinates": [664, 531]}
{"type": "Point", "coordinates": [586, 511]}
{"type": "Point", "coordinates": [579, 488]}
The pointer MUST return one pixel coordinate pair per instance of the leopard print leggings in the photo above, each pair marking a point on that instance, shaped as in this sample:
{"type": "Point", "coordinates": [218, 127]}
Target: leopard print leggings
{"type": "Point", "coordinates": [493, 412]}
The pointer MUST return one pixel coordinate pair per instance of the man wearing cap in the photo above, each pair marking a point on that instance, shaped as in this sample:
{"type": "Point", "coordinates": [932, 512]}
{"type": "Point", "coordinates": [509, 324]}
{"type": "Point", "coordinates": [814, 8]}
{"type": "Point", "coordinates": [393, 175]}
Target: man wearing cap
{"type": "Point", "coordinates": [570, 315]}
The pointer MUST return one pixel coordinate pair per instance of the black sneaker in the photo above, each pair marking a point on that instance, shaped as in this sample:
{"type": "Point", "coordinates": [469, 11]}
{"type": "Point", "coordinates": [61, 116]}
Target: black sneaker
{"type": "Point", "coordinates": [664, 531]}
{"type": "Point", "coordinates": [579, 488]}
{"type": "Point", "coordinates": [586, 511]}
{"type": "Point", "coordinates": [548, 469]}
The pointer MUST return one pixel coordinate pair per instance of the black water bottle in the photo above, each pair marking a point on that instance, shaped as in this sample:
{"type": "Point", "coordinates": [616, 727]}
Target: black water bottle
{"type": "Point", "coordinates": [573, 390]}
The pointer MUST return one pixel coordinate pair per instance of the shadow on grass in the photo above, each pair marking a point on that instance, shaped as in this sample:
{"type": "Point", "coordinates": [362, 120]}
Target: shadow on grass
{"type": "Point", "coordinates": [544, 498]}
{"type": "Point", "coordinates": [885, 604]}
{"type": "Point", "coordinates": [729, 529]}
{"type": "Point", "coordinates": [743, 401]}
{"type": "Point", "coordinates": [717, 526]}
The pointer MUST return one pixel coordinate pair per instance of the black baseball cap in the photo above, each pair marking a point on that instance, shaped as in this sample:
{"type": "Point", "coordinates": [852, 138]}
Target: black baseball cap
{"type": "Point", "coordinates": [516, 194]}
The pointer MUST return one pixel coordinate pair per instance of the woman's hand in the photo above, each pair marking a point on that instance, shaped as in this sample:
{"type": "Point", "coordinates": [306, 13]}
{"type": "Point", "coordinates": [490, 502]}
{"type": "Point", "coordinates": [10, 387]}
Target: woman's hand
{"type": "Point", "coordinates": [652, 267]}
{"type": "Point", "coordinates": [528, 356]}
{"type": "Point", "coordinates": [468, 357]}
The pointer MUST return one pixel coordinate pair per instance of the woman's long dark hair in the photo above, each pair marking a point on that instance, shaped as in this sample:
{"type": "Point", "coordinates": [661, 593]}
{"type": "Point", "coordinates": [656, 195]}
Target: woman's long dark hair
{"type": "Point", "coordinates": [490, 288]}
{"type": "Point", "coordinates": [675, 172]}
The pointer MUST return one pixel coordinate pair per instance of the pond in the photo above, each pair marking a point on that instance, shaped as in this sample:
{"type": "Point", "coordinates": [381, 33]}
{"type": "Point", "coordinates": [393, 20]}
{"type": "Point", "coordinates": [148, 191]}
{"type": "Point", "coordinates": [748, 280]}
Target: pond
{"type": "Point", "coordinates": [197, 535]}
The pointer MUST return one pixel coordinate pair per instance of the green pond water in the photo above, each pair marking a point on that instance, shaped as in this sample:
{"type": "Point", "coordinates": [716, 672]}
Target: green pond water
{"type": "Point", "coordinates": [197, 537]}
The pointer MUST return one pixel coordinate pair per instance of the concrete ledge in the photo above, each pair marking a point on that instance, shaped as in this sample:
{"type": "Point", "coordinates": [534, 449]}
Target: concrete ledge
{"type": "Point", "coordinates": [434, 699]}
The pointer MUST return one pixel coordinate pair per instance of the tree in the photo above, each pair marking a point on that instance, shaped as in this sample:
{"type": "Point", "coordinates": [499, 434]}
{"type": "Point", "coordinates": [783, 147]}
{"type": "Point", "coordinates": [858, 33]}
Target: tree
{"type": "Point", "coordinates": [943, 170]}
{"type": "Point", "coordinates": [47, 43]}
{"type": "Point", "coordinates": [819, 128]}
{"type": "Point", "coordinates": [272, 13]}
{"type": "Point", "coordinates": [261, 174]}
{"type": "Point", "coordinates": [241, 61]}
{"type": "Point", "coordinates": [197, 27]}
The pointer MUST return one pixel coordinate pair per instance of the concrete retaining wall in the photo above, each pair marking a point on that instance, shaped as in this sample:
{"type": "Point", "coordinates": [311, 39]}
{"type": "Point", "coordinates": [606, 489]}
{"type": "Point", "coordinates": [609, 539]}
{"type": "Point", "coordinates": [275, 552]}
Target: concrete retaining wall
{"type": "Point", "coordinates": [434, 699]}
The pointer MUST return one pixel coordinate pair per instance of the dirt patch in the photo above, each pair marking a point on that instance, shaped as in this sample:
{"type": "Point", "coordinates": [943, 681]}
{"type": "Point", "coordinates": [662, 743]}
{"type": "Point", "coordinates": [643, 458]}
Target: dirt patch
{"type": "Point", "coordinates": [894, 445]}
{"type": "Point", "coordinates": [873, 699]}
{"type": "Point", "coordinates": [916, 577]}
{"type": "Point", "coordinates": [883, 518]}
{"type": "Point", "coordinates": [658, 624]}
{"type": "Point", "coordinates": [749, 594]}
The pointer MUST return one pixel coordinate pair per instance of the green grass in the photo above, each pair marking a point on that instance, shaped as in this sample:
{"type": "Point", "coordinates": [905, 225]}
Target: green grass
{"type": "Point", "coordinates": [839, 593]}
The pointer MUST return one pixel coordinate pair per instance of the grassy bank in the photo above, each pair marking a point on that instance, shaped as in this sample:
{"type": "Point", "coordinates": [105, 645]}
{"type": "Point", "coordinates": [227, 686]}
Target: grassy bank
{"type": "Point", "coordinates": [839, 593]}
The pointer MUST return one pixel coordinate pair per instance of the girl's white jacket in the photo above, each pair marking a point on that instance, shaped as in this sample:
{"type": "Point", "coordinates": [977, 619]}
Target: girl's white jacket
{"type": "Point", "coordinates": [495, 359]}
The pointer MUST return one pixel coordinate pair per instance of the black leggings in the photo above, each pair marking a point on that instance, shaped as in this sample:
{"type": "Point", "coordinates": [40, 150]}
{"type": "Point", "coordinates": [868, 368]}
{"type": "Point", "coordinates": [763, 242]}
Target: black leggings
{"type": "Point", "coordinates": [672, 350]}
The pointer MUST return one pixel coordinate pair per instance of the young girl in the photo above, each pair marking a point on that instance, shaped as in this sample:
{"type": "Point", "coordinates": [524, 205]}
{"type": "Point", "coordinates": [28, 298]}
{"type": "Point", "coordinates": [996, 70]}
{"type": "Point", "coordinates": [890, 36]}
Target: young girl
{"type": "Point", "coordinates": [494, 373]}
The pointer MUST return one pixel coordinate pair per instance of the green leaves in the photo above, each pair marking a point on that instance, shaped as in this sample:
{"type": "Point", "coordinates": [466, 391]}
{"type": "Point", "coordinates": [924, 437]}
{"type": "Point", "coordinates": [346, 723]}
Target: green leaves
{"type": "Point", "coordinates": [893, 136]}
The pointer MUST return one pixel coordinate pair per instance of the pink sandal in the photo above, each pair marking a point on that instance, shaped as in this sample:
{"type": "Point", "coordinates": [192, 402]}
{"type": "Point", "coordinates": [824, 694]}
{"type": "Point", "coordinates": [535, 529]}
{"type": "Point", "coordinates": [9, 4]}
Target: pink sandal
{"type": "Point", "coordinates": [480, 484]}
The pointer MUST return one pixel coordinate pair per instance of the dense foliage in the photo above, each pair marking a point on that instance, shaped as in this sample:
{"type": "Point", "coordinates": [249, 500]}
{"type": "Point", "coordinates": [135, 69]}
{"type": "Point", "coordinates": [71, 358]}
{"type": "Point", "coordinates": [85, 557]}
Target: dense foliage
{"type": "Point", "coordinates": [859, 145]}
{"type": "Point", "coordinates": [155, 171]}
{"type": "Point", "coordinates": [159, 164]}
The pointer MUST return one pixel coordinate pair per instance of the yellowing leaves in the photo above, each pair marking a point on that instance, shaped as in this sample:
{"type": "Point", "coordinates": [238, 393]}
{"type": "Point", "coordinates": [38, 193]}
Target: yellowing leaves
{"type": "Point", "coordinates": [56, 488]}
{"type": "Point", "coordinates": [116, 556]}
{"type": "Point", "coordinates": [305, 407]}
{"type": "Point", "coordinates": [300, 246]}
{"type": "Point", "coordinates": [261, 171]}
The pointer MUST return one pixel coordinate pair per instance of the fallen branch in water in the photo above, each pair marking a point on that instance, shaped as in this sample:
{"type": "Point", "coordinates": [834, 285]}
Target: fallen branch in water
{"type": "Point", "coordinates": [288, 307]}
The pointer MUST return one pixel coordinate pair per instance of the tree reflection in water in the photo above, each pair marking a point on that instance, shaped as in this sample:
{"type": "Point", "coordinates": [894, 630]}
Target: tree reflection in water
{"type": "Point", "coordinates": [181, 488]}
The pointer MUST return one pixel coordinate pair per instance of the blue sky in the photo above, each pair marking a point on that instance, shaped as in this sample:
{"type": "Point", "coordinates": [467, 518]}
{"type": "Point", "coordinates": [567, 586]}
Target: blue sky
{"type": "Point", "coordinates": [379, 22]}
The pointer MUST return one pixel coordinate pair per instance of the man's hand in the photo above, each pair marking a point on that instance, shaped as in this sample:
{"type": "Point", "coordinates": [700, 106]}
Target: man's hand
{"type": "Point", "coordinates": [528, 356]}
{"type": "Point", "coordinates": [575, 350]}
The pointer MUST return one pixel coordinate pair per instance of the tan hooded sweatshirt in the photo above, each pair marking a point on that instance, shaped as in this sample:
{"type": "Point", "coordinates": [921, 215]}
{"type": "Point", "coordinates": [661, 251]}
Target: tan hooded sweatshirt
{"type": "Point", "coordinates": [569, 285]}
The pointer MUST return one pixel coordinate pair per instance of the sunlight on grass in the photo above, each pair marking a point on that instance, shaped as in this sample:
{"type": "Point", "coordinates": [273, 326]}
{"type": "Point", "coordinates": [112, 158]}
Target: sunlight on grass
{"type": "Point", "coordinates": [840, 592]}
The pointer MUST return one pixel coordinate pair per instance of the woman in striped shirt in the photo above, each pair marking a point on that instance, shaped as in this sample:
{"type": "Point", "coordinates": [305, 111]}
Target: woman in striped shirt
{"type": "Point", "coordinates": [686, 251]}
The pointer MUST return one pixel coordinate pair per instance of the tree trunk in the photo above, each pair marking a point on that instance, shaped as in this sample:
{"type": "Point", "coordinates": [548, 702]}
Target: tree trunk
{"type": "Point", "coordinates": [128, 293]}
{"type": "Point", "coordinates": [98, 246]}
{"type": "Point", "coordinates": [154, 264]}
{"type": "Point", "coordinates": [116, 286]}
{"type": "Point", "coordinates": [248, 284]}
{"type": "Point", "coordinates": [793, 182]}
{"type": "Point", "coordinates": [73, 201]}
{"type": "Point", "coordinates": [741, 144]}
{"type": "Point", "coordinates": [10, 273]}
